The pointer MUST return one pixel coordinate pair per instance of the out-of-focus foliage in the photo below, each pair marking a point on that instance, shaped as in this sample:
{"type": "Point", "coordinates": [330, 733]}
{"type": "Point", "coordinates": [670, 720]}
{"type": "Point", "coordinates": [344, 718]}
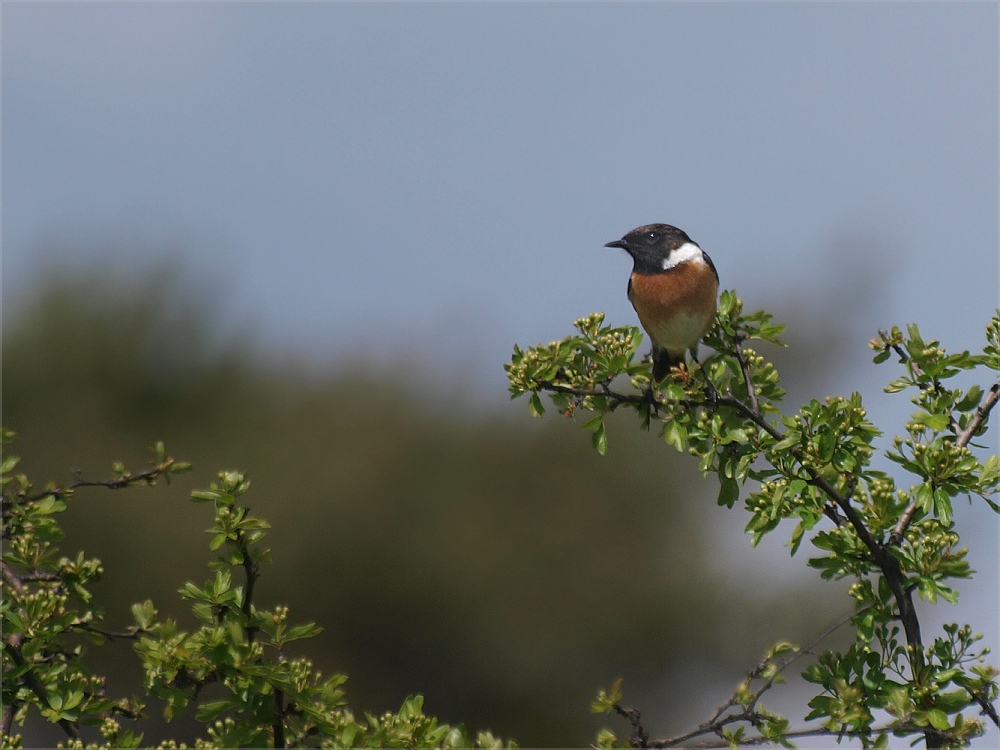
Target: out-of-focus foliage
{"type": "Point", "coordinates": [266, 699]}
{"type": "Point", "coordinates": [481, 560]}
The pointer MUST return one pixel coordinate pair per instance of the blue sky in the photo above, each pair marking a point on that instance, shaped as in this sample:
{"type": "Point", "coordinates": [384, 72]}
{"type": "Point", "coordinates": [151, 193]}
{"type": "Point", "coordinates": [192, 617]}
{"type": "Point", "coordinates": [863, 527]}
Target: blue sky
{"type": "Point", "coordinates": [437, 181]}
{"type": "Point", "coordinates": [399, 175]}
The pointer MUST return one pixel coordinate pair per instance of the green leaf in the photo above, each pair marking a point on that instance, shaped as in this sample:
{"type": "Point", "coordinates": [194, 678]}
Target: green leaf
{"type": "Point", "coordinates": [938, 719]}
{"type": "Point", "coordinates": [675, 434]}
{"type": "Point", "coordinates": [936, 422]}
{"type": "Point", "coordinates": [991, 470]}
{"type": "Point", "coordinates": [729, 492]}
{"type": "Point", "coordinates": [144, 614]}
{"type": "Point", "coordinates": [600, 439]}
{"type": "Point", "coordinates": [942, 505]}
{"type": "Point", "coordinates": [302, 631]}
{"type": "Point", "coordinates": [535, 407]}
{"type": "Point", "coordinates": [971, 399]}
{"type": "Point", "coordinates": [923, 496]}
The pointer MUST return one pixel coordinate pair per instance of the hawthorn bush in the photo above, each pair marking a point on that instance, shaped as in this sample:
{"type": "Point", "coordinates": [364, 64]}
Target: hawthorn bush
{"type": "Point", "coordinates": [815, 467]}
{"type": "Point", "coordinates": [268, 700]}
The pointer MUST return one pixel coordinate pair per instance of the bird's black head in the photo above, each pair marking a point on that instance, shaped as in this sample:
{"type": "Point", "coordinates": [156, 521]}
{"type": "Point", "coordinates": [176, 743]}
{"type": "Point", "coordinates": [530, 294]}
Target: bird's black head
{"type": "Point", "coordinates": [651, 245]}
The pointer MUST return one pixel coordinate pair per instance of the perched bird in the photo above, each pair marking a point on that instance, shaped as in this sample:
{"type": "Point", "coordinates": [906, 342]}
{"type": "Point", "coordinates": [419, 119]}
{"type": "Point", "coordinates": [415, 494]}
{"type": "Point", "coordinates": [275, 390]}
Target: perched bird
{"type": "Point", "coordinates": [673, 288]}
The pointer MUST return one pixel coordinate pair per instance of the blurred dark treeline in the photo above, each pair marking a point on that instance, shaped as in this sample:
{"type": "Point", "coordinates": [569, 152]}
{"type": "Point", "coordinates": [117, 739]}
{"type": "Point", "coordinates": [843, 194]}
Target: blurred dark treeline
{"type": "Point", "coordinates": [492, 562]}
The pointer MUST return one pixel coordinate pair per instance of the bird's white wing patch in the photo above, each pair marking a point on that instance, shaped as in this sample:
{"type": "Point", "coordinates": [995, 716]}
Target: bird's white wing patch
{"type": "Point", "coordinates": [687, 251]}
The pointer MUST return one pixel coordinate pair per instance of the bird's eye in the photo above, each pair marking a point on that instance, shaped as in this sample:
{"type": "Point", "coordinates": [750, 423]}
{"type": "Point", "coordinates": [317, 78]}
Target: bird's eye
{"type": "Point", "coordinates": [652, 236]}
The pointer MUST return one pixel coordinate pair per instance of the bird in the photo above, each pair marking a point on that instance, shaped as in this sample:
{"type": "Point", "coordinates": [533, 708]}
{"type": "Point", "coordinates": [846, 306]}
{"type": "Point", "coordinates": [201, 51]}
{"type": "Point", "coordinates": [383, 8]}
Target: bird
{"type": "Point", "coordinates": [674, 288]}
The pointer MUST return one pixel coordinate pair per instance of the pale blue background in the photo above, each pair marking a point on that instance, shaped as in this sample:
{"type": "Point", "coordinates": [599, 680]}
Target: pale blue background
{"type": "Point", "coordinates": [435, 182]}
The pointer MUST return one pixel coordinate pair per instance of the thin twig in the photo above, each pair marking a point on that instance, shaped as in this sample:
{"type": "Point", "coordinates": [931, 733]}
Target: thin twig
{"type": "Point", "coordinates": [131, 633]}
{"type": "Point", "coordinates": [639, 737]}
{"type": "Point", "coordinates": [759, 740]}
{"type": "Point", "coordinates": [749, 714]}
{"type": "Point", "coordinates": [617, 399]}
{"type": "Point", "coordinates": [148, 476]}
{"type": "Point", "coordinates": [252, 571]}
{"type": "Point", "coordinates": [747, 379]}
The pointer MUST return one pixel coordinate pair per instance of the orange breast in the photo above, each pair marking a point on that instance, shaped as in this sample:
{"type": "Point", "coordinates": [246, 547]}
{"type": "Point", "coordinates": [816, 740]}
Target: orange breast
{"type": "Point", "coordinates": [676, 307]}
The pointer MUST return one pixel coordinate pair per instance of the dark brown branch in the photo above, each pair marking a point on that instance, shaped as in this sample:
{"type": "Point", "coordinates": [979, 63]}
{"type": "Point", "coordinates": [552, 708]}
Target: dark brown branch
{"type": "Point", "coordinates": [988, 708]}
{"type": "Point", "coordinates": [616, 398]}
{"type": "Point", "coordinates": [752, 741]}
{"type": "Point", "coordinates": [34, 684]}
{"type": "Point", "coordinates": [11, 578]}
{"type": "Point", "coordinates": [981, 415]}
{"type": "Point", "coordinates": [8, 721]}
{"type": "Point", "coordinates": [252, 572]}
{"type": "Point", "coordinates": [131, 633]}
{"type": "Point", "coordinates": [639, 737]}
{"type": "Point", "coordinates": [279, 718]}
{"type": "Point", "coordinates": [148, 476]}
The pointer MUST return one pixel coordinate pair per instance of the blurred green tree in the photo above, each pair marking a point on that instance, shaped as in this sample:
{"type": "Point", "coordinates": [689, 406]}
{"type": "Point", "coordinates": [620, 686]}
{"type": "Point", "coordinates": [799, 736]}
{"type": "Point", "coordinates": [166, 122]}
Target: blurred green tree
{"type": "Point", "coordinates": [479, 558]}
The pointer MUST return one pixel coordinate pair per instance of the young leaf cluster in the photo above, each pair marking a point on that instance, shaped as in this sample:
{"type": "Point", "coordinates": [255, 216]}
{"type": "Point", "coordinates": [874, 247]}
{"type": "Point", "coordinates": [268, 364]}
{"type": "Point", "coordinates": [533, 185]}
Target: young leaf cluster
{"type": "Point", "coordinates": [267, 698]}
{"type": "Point", "coordinates": [47, 603]}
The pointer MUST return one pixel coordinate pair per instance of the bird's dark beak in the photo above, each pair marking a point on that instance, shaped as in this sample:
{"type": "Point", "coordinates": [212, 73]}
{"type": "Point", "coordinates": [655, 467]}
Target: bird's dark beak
{"type": "Point", "coordinates": [618, 243]}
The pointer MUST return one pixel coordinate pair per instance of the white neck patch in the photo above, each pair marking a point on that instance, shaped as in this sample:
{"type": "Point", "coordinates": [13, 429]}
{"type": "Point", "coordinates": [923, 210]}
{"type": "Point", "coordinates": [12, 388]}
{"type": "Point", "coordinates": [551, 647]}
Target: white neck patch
{"type": "Point", "coordinates": [687, 251]}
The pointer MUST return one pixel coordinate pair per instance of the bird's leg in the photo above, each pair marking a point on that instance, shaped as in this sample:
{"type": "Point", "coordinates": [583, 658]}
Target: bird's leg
{"type": "Point", "coordinates": [649, 395]}
{"type": "Point", "coordinates": [651, 404]}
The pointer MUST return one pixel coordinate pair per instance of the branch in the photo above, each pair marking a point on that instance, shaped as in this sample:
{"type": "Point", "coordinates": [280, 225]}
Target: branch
{"type": "Point", "coordinates": [988, 708]}
{"type": "Point", "coordinates": [11, 578]}
{"type": "Point", "coordinates": [617, 399]}
{"type": "Point", "coordinates": [131, 633]}
{"type": "Point", "coordinates": [252, 571]}
{"type": "Point", "coordinates": [279, 718]}
{"type": "Point", "coordinates": [982, 414]}
{"type": "Point", "coordinates": [639, 737]}
{"type": "Point", "coordinates": [34, 684]}
{"type": "Point", "coordinates": [760, 740]}
{"type": "Point", "coordinates": [128, 478]}
{"type": "Point", "coordinates": [747, 379]}
{"type": "Point", "coordinates": [8, 721]}
{"type": "Point", "coordinates": [749, 713]}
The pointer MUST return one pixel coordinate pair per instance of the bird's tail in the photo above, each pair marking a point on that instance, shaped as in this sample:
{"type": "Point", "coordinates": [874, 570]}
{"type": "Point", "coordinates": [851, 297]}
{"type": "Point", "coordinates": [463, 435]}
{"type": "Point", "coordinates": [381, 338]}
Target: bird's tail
{"type": "Point", "coordinates": [662, 362]}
